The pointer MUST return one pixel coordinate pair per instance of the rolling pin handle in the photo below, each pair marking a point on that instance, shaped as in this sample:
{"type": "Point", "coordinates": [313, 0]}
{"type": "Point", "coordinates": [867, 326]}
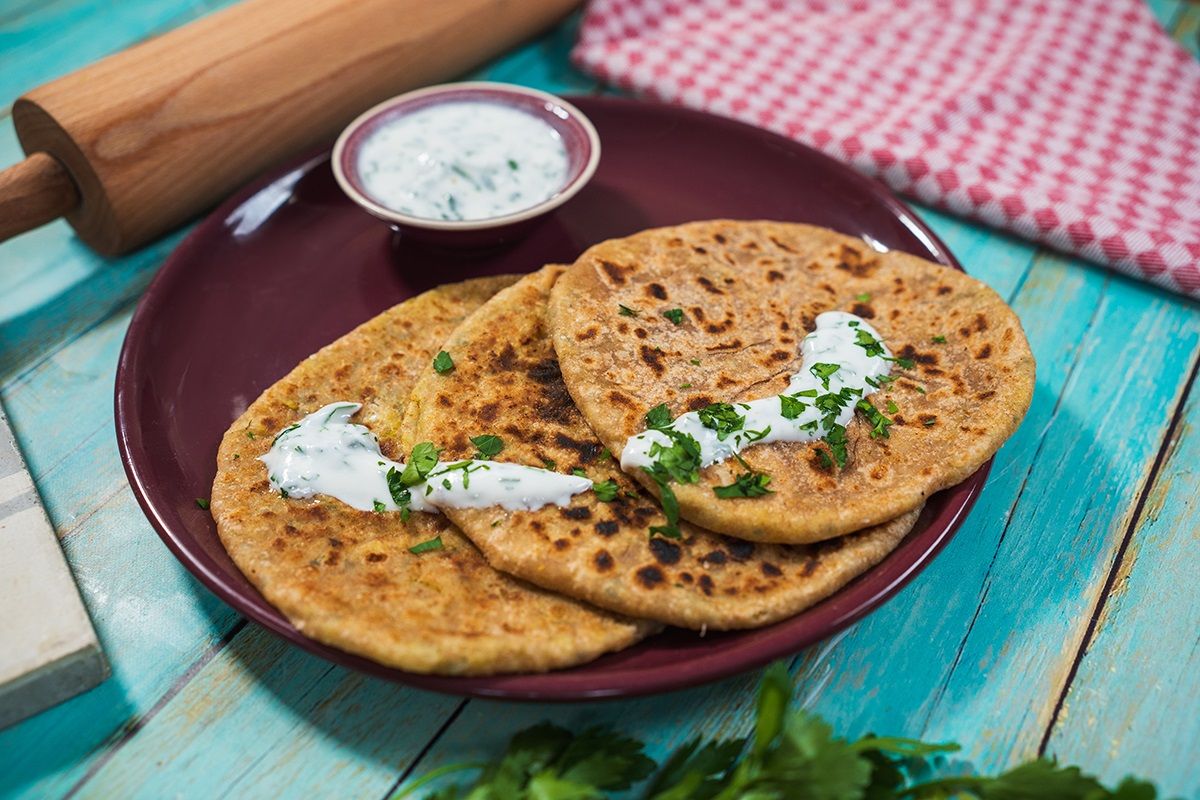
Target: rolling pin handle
{"type": "Point", "coordinates": [36, 191]}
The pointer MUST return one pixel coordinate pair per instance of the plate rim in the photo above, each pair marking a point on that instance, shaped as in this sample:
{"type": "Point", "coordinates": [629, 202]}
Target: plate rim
{"type": "Point", "coordinates": [862, 594]}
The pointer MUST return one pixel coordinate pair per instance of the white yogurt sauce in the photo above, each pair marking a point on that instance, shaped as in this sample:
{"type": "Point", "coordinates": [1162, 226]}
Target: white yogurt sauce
{"type": "Point", "coordinates": [325, 453]}
{"type": "Point", "coordinates": [463, 161]}
{"type": "Point", "coordinates": [836, 341]}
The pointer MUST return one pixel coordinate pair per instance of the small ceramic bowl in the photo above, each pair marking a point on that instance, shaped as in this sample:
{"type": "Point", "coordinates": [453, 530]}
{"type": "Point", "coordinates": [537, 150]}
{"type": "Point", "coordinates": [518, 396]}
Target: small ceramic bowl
{"type": "Point", "coordinates": [577, 133]}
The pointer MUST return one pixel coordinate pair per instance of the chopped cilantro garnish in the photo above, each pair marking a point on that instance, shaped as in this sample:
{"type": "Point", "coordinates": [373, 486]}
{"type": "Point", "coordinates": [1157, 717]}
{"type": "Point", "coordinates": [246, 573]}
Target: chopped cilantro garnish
{"type": "Point", "coordinates": [836, 439]}
{"type": "Point", "coordinates": [670, 507]}
{"type": "Point", "coordinates": [550, 463]}
{"type": "Point", "coordinates": [919, 388]}
{"type": "Point", "coordinates": [626, 311]}
{"type": "Point", "coordinates": [905, 363]}
{"type": "Point", "coordinates": [939, 340]}
{"type": "Point", "coordinates": [250, 434]}
{"type": "Point", "coordinates": [790, 407]}
{"type": "Point", "coordinates": [421, 460]}
{"type": "Point", "coordinates": [397, 488]}
{"type": "Point", "coordinates": [578, 473]}
{"type": "Point", "coordinates": [879, 423]}
{"type": "Point", "coordinates": [605, 453]}
{"type": "Point", "coordinates": [685, 386]}
{"type": "Point", "coordinates": [863, 298]}
{"type": "Point", "coordinates": [289, 429]}
{"type": "Point", "coordinates": [867, 342]}
{"type": "Point", "coordinates": [606, 491]}
{"type": "Point", "coordinates": [680, 460]}
{"type": "Point", "coordinates": [202, 503]}
{"type": "Point", "coordinates": [823, 372]}
{"type": "Point", "coordinates": [929, 422]}
{"type": "Point", "coordinates": [513, 165]}
{"type": "Point", "coordinates": [892, 407]}
{"type": "Point", "coordinates": [427, 546]}
{"type": "Point", "coordinates": [658, 417]}
{"type": "Point", "coordinates": [749, 437]}
{"type": "Point", "coordinates": [747, 484]}
{"type": "Point", "coordinates": [675, 315]}
{"type": "Point", "coordinates": [694, 362]}
{"type": "Point", "coordinates": [379, 506]}
{"type": "Point", "coordinates": [446, 483]}
{"type": "Point", "coordinates": [722, 418]}
{"type": "Point", "coordinates": [442, 362]}
{"type": "Point", "coordinates": [487, 446]}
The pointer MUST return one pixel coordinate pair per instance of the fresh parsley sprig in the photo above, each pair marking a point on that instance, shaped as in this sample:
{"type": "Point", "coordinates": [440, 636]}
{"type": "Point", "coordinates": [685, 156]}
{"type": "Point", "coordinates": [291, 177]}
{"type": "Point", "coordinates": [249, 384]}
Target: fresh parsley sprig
{"type": "Point", "coordinates": [789, 754]}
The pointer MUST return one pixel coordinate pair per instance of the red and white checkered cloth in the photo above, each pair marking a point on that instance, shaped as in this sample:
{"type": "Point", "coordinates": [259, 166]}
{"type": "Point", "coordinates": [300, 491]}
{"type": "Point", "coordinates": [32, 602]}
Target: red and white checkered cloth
{"type": "Point", "coordinates": [1075, 123]}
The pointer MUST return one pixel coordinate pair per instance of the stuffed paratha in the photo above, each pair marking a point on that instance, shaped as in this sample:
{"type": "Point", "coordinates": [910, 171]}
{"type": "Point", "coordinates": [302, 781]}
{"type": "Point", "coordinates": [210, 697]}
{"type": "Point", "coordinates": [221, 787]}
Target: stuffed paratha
{"type": "Point", "coordinates": [506, 383]}
{"type": "Point", "coordinates": [715, 312]}
{"type": "Point", "coordinates": [347, 577]}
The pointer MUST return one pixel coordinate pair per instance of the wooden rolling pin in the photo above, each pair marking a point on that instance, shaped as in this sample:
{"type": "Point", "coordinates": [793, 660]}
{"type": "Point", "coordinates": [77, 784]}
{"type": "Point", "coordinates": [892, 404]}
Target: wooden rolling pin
{"type": "Point", "coordinates": [133, 145]}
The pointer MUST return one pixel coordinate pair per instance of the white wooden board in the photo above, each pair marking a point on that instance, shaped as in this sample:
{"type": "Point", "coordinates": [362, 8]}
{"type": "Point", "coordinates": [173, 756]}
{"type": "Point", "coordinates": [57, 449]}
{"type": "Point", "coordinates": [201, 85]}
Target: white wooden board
{"type": "Point", "coordinates": [48, 649]}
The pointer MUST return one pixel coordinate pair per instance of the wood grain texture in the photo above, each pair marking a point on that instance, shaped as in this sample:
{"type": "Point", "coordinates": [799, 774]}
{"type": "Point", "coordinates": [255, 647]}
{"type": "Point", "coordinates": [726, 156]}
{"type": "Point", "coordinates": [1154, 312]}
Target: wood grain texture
{"type": "Point", "coordinates": [34, 192]}
{"type": "Point", "coordinates": [976, 648]}
{"type": "Point", "coordinates": [1132, 707]}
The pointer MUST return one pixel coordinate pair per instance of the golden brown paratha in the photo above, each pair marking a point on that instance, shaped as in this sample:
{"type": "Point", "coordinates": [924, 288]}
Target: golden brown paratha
{"type": "Point", "coordinates": [345, 577]}
{"type": "Point", "coordinates": [749, 292]}
{"type": "Point", "coordinates": [506, 382]}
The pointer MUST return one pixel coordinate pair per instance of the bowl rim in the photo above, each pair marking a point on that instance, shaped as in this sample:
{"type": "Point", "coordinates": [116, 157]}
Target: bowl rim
{"type": "Point", "coordinates": [353, 190]}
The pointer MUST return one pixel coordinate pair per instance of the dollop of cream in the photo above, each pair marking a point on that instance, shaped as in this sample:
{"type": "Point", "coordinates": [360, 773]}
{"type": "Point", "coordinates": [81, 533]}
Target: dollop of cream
{"type": "Point", "coordinates": [326, 454]}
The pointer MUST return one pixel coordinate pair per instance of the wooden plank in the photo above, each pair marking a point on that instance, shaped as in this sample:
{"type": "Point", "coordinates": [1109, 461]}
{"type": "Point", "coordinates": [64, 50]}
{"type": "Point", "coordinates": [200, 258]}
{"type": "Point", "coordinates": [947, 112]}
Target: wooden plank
{"type": "Point", "coordinates": [153, 618]}
{"type": "Point", "coordinates": [264, 719]}
{"type": "Point", "coordinates": [48, 649]}
{"type": "Point", "coordinates": [1132, 706]}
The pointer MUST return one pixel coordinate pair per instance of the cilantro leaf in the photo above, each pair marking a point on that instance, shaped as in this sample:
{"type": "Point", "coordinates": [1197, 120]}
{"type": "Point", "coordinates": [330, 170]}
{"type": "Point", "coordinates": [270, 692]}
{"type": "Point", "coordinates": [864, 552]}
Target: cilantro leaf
{"type": "Point", "coordinates": [421, 460]}
{"type": "Point", "coordinates": [867, 342]}
{"type": "Point", "coordinates": [397, 488]}
{"type": "Point", "coordinates": [747, 484]}
{"type": "Point", "coordinates": [722, 418]}
{"type": "Point", "coordinates": [626, 311]}
{"type": "Point", "coordinates": [824, 372]}
{"type": "Point", "coordinates": [427, 546]}
{"type": "Point", "coordinates": [487, 446]}
{"type": "Point", "coordinates": [604, 759]}
{"type": "Point", "coordinates": [658, 417]}
{"type": "Point", "coordinates": [606, 491]}
{"type": "Point", "coordinates": [201, 503]}
{"type": "Point", "coordinates": [863, 298]}
{"type": "Point", "coordinates": [675, 315]}
{"type": "Point", "coordinates": [939, 340]}
{"type": "Point", "coordinates": [442, 362]}
{"type": "Point", "coordinates": [879, 423]}
{"type": "Point", "coordinates": [790, 407]}
{"type": "Point", "coordinates": [836, 439]}
{"type": "Point", "coordinates": [670, 505]}
{"type": "Point", "coordinates": [695, 771]}
{"type": "Point", "coordinates": [679, 461]}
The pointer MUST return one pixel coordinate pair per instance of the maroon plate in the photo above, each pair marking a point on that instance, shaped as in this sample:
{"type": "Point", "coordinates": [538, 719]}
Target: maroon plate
{"type": "Point", "coordinates": [290, 264]}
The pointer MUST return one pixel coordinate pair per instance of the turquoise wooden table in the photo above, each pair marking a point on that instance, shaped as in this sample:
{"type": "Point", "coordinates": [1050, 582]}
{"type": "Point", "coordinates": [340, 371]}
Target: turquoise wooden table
{"type": "Point", "coordinates": [1063, 619]}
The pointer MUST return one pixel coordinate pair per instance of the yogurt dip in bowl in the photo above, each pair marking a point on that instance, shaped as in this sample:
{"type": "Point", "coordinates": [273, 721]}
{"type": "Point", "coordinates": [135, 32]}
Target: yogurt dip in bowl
{"type": "Point", "coordinates": [466, 164]}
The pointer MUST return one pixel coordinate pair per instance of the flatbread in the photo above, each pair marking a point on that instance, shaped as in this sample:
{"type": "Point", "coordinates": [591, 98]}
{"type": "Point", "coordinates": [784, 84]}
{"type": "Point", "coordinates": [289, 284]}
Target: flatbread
{"type": "Point", "coordinates": [506, 382]}
{"type": "Point", "coordinates": [749, 292]}
{"type": "Point", "coordinates": [345, 577]}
